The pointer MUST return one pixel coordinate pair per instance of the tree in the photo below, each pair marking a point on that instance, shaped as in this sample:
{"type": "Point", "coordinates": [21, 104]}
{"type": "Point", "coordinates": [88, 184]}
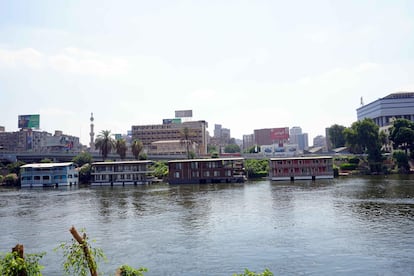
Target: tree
{"type": "Point", "coordinates": [363, 137]}
{"type": "Point", "coordinates": [336, 136]}
{"type": "Point", "coordinates": [136, 148]}
{"type": "Point", "coordinates": [105, 143]}
{"type": "Point", "coordinates": [121, 148]}
{"type": "Point", "coordinates": [232, 148]}
{"type": "Point", "coordinates": [402, 134]}
{"type": "Point", "coordinates": [186, 139]}
{"type": "Point", "coordinates": [402, 160]}
{"type": "Point", "coordinates": [82, 159]}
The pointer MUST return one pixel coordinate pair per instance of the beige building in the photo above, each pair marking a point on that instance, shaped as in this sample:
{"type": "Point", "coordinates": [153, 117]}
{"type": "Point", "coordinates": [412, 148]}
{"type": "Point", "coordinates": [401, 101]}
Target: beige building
{"type": "Point", "coordinates": [172, 147]}
{"type": "Point", "coordinates": [172, 132]}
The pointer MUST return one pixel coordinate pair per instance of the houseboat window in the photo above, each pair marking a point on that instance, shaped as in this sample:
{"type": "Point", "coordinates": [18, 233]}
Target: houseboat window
{"type": "Point", "coordinates": [122, 176]}
{"type": "Point", "coordinates": [69, 176]}
{"type": "Point", "coordinates": [216, 173]}
{"type": "Point", "coordinates": [75, 175]}
{"type": "Point", "coordinates": [178, 166]}
{"type": "Point", "coordinates": [128, 176]}
{"type": "Point", "coordinates": [194, 165]}
{"type": "Point", "coordinates": [207, 173]}
{"type": "Point", "coordinates": [36, 177]}
{"type": "Point", "coordinates": [46, 177]}
{"type": "Point", "coordinates": [26, 178]}
{"type": "Point", "coordinates": [228, 172]}
{"type": "Point", "coordinates": [177, 175]}
{"type": "Point", "coordinates": [195, 174]}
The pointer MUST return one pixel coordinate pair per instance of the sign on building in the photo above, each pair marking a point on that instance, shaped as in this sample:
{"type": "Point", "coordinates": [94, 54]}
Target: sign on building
{"type": "Point", "coordinates": [29, 121]}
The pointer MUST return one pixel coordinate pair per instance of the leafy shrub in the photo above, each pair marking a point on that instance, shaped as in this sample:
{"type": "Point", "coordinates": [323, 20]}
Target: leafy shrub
{"type": "Point", "coordinates": [12, 264]}
{"type": "Point", "coordinates": [348, 166]}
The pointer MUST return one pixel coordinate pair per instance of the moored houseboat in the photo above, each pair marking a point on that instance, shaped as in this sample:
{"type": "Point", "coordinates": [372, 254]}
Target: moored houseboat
{"type": "Point", "coordinates": [120, 173]}
{"type": "Point", "coordinates": [48, 175]}
{"type": "Point", "coordinates": [199, 171]}
{"type": "Point", "coordinates": [301, 168]}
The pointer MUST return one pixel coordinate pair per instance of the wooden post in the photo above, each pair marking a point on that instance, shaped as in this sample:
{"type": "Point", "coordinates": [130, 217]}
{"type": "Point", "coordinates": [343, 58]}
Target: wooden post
{"type": "Point", "coordinates": [89, 258]}
{"type": "Point", "coordinates": [20, 253]}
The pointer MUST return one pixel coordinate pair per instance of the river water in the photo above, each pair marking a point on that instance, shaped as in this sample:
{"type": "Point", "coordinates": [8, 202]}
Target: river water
{"type": "Point", "coordinates": [345, 226]}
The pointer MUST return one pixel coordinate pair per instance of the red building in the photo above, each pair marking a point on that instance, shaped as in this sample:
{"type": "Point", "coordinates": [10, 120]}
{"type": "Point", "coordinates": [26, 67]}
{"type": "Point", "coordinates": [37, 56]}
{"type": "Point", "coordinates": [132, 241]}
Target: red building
{"type": "Point", "coordinates": [299, 168]}
{"type": "Point", "coordinates": [270, 136]}
{"type": "Point", "coordinates": [199, 171]}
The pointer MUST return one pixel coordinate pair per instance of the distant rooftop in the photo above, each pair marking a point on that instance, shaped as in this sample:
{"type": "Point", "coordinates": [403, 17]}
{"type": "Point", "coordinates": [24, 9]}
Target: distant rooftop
{"type": "Point", "coordinates": [399, 95]}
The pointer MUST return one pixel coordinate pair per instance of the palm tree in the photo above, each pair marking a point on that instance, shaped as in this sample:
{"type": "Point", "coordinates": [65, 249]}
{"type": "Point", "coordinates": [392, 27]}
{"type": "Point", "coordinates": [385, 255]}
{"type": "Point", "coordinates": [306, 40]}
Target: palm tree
{"type": "Point", "coordinates": [186, 136]}
{"type": "Point", "coordinates": [121, 148]}
{"type": "Point", "coordinates": [136, 148]}
{"type": "Point", "coordinates": [105, 143]}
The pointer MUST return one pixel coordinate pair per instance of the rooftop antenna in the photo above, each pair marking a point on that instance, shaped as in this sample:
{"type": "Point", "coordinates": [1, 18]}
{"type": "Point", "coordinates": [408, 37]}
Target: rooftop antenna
{"type": "Point", "coordinates": [362, 101]}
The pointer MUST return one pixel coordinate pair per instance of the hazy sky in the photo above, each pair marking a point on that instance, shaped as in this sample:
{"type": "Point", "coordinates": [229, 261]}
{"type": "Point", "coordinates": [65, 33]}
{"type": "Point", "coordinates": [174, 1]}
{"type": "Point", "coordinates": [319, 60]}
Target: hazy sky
{"type": "Point", "coordinates": [242, 64]}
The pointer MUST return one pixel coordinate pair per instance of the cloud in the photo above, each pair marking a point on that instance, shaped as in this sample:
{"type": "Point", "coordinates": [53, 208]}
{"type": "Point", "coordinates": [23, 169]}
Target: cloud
{"type": "Point", "coordinates": [78, 61]}
{"type": "Point", "coordinates": [26, 57]}
{"type": "Point", "coordinates": [68, 60]}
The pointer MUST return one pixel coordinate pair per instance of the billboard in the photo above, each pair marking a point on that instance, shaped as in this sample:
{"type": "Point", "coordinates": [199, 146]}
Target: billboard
{"type": "Point", "coordinates": [29, 121]}
{"type": "Point", "coordinates": [171, 121]}
{"type": "Point", "coordinates": [278, 134]}
{"type": "Point", "coordinates": [183, 113]}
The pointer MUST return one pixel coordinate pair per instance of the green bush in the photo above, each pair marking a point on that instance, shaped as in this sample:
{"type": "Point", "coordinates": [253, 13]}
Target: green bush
{"type": "Point", "coordinates": [348, 166]}
{"type": "Point", "coordinates": [256, 168]}
{"type": "Point", "coordinates": [12, 264]}
{"type": "Point", "coordinates": [354, 160]}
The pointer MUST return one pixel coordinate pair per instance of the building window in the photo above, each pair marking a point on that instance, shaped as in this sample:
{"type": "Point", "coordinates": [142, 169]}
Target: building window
{"type": "Point", "coordinates": [194, 165]}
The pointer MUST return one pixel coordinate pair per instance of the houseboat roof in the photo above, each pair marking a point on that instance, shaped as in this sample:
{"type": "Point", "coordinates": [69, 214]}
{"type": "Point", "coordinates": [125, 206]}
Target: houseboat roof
{"type": "Point", "coordinates": [47, 165]}
{"type": "Point", "coordinates": [206, 159]}
{"type": "Point", "coordinates": [302, 158]}
{"type": "Point", "coordinates": [122, 162]}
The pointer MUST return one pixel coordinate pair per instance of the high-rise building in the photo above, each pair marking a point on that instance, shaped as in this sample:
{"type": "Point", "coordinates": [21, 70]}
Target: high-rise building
{"type": "Point", "coordinates": [297, 137]}
{"type": "Point", "coordinates": [248, 141]}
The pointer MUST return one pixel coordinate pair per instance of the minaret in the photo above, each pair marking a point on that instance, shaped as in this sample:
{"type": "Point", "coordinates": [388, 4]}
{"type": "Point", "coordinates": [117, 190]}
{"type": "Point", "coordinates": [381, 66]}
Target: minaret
{"type": "Point", "coordinates": [92, 134]}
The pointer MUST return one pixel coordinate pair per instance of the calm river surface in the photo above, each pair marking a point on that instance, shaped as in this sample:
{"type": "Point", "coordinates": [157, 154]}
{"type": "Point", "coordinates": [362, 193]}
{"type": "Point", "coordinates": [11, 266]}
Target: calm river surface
{"type": "Point", "coordinates": [346, 226]}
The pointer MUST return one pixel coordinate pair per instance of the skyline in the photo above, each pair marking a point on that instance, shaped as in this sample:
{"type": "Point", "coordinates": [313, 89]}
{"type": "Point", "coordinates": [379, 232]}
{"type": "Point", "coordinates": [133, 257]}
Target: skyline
{"type": "Point", "coordinates": [244, 65]}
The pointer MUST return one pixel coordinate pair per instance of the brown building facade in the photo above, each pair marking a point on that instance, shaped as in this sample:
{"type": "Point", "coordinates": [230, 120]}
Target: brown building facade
{"type": "Point", "coordinates": [148, 134]}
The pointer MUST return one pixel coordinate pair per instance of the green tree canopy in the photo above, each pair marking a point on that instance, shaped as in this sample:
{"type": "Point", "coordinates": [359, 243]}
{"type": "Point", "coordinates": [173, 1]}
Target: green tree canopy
{"type": "Point", "coordinates": [232, 148]}
{"type": "Point", "coordinates": [363, 137]}
{"type": "Point", "coordinates": [336, 136]}
{"type": "Point", "coordinates": [105, 143]}
{"type": "Point", "coordinates": [402, 134]}
{"type": "Point", "coordinates": [121, 148]}
{"type": "Point", "coordinates": [82, 159]}
{"type": "Point", "coordinates": [136, 148]}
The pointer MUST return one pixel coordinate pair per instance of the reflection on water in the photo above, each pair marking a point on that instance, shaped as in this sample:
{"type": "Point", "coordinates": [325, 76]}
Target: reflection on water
{"type": "Point", "coordinates": [357, 226]}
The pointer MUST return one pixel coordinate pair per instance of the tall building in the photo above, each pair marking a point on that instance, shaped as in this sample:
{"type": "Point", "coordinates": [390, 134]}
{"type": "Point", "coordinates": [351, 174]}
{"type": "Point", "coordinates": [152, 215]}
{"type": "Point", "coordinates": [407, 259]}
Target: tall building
{"type": "Point", "coordinates": [319, 141]}
{"type": "Point", "coordinates": [384, 110]}
{"type": "Point", "coordinates": [270, 136]}
{"type": "Point", "coordinates": [172, 131]}
{"type": "Point", "coordinates": [297, 137]}
{"type": "Point", "coordinates": [248, 141]}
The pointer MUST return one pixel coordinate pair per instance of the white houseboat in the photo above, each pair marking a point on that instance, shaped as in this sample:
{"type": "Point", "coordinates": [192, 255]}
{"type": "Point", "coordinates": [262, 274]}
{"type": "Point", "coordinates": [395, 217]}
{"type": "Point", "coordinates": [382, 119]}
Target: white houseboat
{"type": "Point", "coordinates": [301, 168]}
{"type": "Point", "coordinates": [48, 175]}
{"type": "Point", "coordinates": [121, 173]}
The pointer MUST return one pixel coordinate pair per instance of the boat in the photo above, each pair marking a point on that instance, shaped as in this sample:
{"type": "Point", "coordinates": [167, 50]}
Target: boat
{"type": "Point", "coordinates": [48, 175]}
{"type": "Point", "coordinates": [211, 170]}
{"type": "Point", "coordinates": [301, 168]}
{"type": "Point", "coordinates": [121, 173]}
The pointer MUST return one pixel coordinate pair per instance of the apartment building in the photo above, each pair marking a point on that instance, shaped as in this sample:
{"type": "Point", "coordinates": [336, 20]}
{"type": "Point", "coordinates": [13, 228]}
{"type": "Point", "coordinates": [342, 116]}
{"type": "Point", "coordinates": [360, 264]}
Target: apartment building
{"type": "Point", "coordinates": [172, 131]}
